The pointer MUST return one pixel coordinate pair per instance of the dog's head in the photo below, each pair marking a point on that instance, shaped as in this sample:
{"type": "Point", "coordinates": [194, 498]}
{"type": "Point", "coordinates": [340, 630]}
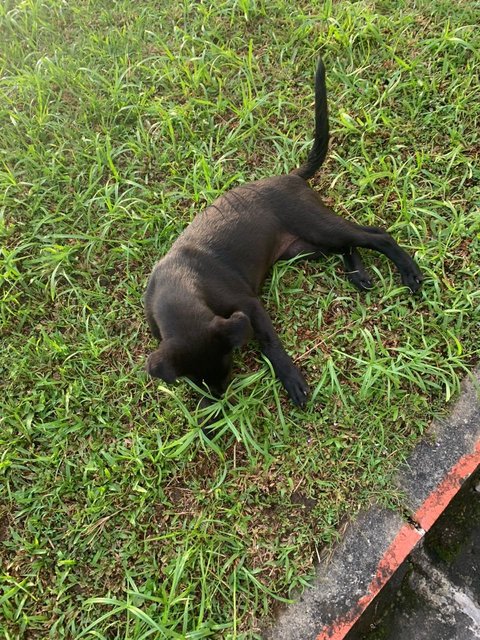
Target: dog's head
{"type": "Point", "coordinates": [205, 356]}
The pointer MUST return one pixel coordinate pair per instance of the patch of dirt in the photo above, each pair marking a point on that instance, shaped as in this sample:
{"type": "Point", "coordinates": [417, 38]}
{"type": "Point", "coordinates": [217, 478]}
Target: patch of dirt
{"type": "Point", "coordinates": [5, 522]}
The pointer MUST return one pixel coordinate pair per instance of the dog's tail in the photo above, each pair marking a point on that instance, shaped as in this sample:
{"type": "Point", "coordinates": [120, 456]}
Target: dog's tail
{"type": "Point", "coordinates": [320, 144]}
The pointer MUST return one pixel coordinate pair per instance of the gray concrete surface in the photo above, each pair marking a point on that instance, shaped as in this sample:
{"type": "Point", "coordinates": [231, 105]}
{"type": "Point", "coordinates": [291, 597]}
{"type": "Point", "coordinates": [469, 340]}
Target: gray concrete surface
{"type": "Point", "coordinates": [439, 595]}
{"type": "Point", "coordinates": [446, 442]}
{"type": "Point", "coordinates": [343, 578]}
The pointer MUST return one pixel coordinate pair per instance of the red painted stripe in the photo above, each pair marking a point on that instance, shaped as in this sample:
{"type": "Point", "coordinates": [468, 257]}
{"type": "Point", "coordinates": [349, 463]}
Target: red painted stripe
{"type": "Point", "coordinates": [402, 545]}
{"type": "Point", "coordinates": [405, 541]}
{"type": "Point", "coordinates": [436, 502]}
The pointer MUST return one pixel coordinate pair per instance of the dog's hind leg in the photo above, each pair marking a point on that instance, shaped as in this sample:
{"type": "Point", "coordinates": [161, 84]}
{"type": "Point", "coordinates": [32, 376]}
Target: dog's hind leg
{"type": "Point", "coordinates": [317, 225]}
{"type": "Point", "coordinates": [381, 241]}
{"type": "Point", "coordinates": [355, 270]}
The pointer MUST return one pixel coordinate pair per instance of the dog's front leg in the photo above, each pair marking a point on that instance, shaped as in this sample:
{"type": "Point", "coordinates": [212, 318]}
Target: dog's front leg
{"type": "Point", "coordinates": [285, 370]}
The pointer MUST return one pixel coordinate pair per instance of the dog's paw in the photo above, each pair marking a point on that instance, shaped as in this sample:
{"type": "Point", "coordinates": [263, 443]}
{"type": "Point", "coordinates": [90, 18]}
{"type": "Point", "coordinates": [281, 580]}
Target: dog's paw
{"type": "Point", "coordinates": [360, 280]}
{"type": "Point", "coordinates": [296, 387]}
{"type": "Point", "coordinates": [413, 278]}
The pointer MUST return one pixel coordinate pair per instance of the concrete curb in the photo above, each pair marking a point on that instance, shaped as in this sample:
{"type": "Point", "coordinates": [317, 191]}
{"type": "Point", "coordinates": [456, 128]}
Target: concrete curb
{"type": "Point", "coordinates": [380, 540]}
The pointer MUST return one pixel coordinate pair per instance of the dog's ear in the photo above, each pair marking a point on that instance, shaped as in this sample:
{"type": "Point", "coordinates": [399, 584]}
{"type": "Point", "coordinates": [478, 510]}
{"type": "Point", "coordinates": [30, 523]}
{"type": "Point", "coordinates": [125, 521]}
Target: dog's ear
{"type": "Point", "coordinates": [234, 331]}
{"type": "Point", "coordinates": [160, 365]}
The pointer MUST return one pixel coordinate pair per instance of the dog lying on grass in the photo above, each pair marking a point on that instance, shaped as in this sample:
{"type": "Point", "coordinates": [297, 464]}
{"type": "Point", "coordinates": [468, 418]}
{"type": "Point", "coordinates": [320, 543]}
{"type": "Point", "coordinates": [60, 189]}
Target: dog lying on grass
{"type": "Point", "coordinates": [202, 297]}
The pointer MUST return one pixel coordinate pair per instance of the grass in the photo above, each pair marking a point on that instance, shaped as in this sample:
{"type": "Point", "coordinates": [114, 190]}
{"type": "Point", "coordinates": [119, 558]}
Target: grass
{"type": "Point", "coordinates": [119, 121]}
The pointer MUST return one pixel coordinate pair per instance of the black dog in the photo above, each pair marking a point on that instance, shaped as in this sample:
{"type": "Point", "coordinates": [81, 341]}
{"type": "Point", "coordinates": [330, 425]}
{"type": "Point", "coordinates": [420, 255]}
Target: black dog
{"type": "Point", "coordinates": [202, 297]}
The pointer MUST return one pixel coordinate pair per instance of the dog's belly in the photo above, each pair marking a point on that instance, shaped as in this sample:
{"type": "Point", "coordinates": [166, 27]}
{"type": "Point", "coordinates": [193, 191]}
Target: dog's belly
{"type": "Point", "coordinates": [292, 246]}
{"type": "Point", "coordinates": [282, 251]}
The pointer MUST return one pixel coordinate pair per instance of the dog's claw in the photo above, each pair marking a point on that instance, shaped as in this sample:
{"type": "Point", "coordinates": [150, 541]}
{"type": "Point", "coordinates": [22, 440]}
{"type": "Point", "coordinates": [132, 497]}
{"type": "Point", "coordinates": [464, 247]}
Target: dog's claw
{"type": "Point", "coordinates": [364, 284]}
{"type": "Point", "coordinates": [360, 280]}
{"type": "Point", "coordinates": [296, 387]}
{"type": "Point", "coordinates": [413, 280]}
